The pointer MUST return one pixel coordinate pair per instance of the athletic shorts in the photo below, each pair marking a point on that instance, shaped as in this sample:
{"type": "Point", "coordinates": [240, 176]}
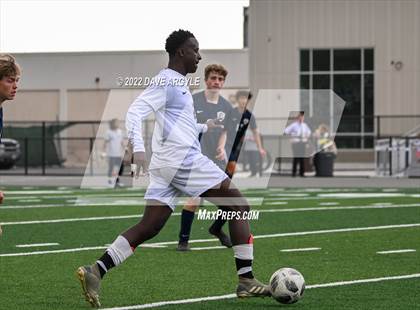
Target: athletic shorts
{"type": "Point", "coordinates": [169, 183]}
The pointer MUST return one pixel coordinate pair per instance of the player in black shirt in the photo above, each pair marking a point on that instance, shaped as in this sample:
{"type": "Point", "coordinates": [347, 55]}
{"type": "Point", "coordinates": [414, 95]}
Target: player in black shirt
{"type": "Point", "coordinates": [234, 133]}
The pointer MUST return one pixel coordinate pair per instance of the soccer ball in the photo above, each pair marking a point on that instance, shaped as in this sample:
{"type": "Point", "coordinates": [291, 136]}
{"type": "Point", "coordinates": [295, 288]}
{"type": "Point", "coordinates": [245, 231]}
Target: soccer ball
{"type": "Point", "coordinates": [287, 285]}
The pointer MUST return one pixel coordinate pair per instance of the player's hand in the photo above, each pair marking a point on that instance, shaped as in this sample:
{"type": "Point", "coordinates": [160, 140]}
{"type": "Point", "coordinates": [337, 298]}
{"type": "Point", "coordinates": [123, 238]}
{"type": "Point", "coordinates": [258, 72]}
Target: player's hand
{"type": "Point", "coordinates": [220, 153]}
{"type": "Point", "coordinates": [1, 197]}
{"type": "Point", "coordinates": [139, 164]}
{"type": "Point", "coordinates": [213, 123]}
{"type": "Point", "coordinates": [262, 152]}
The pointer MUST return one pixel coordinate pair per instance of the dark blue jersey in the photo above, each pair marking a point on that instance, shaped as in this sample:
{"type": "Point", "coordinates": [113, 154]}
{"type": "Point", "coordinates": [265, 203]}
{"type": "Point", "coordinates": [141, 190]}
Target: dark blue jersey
{"type": "Point", "coordinates": [204, 111]}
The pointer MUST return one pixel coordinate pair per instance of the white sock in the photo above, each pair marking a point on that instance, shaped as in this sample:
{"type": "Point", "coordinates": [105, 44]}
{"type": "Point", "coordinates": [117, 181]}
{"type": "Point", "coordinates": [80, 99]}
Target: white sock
{"type": "Point", "coordinates": [119, 250]}
{"type": "Point", "coordinates": [243, 251]}
{"type": "Point", "coordinates": [244, 254]}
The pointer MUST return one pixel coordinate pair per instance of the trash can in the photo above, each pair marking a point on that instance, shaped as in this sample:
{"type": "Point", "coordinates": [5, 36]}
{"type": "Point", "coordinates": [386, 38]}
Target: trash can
{"type": "Point", "coordinates": [324, 164]}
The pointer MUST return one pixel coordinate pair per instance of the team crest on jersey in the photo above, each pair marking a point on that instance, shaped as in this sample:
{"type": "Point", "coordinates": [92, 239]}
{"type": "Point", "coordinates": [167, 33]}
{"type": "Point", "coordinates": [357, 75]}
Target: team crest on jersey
{"type": "Point", "coordinates": [246, 121]}
{"type": "Point", "coordinates": [221, 116]}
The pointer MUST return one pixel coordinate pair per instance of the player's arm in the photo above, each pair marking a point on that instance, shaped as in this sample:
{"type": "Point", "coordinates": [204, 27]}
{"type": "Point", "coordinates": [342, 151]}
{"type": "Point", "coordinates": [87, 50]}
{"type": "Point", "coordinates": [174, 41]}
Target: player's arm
{"type": "Point", "coordinates": [210, 124]}
{"type": "Point", "coordinates": [257, 139]}
{"type": "Point", "coordinates": [220, 151]}
{"type": "Point", "coordinates": [106, 142]}
{"type": "Point", "coordinates": [139, 110]}
{"type": "Point", "coordinates": [1, 197]}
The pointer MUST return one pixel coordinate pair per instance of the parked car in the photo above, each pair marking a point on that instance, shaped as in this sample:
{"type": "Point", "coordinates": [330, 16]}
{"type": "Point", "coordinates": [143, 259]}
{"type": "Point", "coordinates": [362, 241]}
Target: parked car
{"type": "Point", "coordinates": [9, 153]}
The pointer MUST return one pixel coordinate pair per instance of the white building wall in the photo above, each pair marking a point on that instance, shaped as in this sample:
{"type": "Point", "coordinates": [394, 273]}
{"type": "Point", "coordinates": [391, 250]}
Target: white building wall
{"type": "Point", "coordinates": [73, 77]}
{"type": "Point", "coordinates": [278, 29]}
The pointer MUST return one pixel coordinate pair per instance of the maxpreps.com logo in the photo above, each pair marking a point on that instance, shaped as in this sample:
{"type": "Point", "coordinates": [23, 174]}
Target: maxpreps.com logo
{"type": "Point", "coordinates": [227, 215]}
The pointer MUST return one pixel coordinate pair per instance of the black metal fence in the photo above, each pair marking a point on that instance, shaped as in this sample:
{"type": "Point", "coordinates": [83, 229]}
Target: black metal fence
{"type": "Point", "coordinates": [64, 148]}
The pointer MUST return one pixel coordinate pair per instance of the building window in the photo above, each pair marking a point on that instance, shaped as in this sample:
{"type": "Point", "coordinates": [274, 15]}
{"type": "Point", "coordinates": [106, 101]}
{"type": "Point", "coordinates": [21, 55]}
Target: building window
{"type": "Point", "coordinates": [350, 74]}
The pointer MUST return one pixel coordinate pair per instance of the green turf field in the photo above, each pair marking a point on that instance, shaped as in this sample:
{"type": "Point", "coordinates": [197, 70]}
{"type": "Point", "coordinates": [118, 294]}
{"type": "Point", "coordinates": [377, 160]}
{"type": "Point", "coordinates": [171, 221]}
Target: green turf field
{"type": "Point", "coordinates": [348, 226]}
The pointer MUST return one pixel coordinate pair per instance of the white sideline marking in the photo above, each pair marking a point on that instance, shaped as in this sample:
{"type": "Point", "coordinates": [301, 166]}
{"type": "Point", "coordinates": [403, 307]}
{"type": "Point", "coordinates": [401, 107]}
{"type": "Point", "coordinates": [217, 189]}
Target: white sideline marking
{"type": "Point", "coordinates": [82, 204]}
{"type": "Point", "coordinates": [19, 192]}
{"type": "Point", "coordinates": [229, 296]}
{"type": "Point", "coordinates": [300, 250]}
{"type": "Point", "coordinates": [396, 251]}
{"type": "Point", "coordinates": [288, 195]}
{"type": "Point", "coordinates": [277, 203]}
{"type": "Point", "coordinates": [329, 203]}
{"type": "Point", "coordinates": [302, 233]}
{"type": "Point", "coordinates": [54, 251]}
{"type": "Point", "coordinates": [36, 245]}
{"type": "Point", "coordinates": [363, 195]}
{"type": "Point", "coordinates": [29, 200]}
{"type": "Point", "coordinates": [208, 248]}
{"type": "Point", "coordinates": [116, 217]}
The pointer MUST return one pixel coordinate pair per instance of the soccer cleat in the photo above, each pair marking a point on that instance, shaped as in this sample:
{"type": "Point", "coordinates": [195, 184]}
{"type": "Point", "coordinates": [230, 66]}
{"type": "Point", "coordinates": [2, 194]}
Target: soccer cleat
{"type": "Point", "coordinates": [224, 239]}
{"type": "Point", "coordinates": [90, 279]}
{"type": "Point", "coordinates": [252, 288]}
{"type": "Point", "coordinates": [183, 246]}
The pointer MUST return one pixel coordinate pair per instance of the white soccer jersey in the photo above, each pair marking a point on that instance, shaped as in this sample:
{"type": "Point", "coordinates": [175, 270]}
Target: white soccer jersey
{"type": "Point", "coordinates": [114, 139]}
{"type": "Point", "coordinates": [175, 136]}
{"type": "Point", "coordinates": [298, 130]}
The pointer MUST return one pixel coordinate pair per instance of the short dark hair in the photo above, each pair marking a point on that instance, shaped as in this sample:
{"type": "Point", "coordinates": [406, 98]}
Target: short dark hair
{"type": "Point", "coordinates": [243, 93]}
{"type": "Point", "coordinates": [176, 39]}
{"type": "Point", "coordinates": [219, 69]}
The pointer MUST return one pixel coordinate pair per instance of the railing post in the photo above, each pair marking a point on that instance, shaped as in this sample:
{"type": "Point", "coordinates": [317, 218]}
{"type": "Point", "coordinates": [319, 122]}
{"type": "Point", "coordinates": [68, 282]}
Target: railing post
{"type": "Point", "coordinates": [26, 155]}
{"type": "Point", "coordinates": [390, 156]}
{"type": "Point", "coordinates": [91, 157]}
{"type": "Point", "coordinates": [43, 148]}
{"type": "Point", "coordinates": [378, 126]}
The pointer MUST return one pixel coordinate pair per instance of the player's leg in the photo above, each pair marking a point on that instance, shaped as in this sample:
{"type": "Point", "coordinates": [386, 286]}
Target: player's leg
{"type": "Point", "coordinates": [187, 218]}
{"type": "Point", "coordinates": [228, 197]}
{"type": "Point", "coordinates": [216, 228]}
{"type": "Point", "coordinates": [301, 166]}
{"type": "Point", "coordinates": [294, 167]}
{"type": "Point", "coordinates": [120, 173]}
{"type": "Point", "coordinates": [253, 162]}
{"type": "Point", "coordinates": [154, 218]}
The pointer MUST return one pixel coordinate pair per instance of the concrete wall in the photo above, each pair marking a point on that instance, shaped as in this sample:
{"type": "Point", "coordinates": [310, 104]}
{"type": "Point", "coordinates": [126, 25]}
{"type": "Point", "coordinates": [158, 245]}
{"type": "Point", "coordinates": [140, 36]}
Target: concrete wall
{"type": "Point", "coordinates": [63, 85]}
{"type": "Point", "coordinates": [278, 29]}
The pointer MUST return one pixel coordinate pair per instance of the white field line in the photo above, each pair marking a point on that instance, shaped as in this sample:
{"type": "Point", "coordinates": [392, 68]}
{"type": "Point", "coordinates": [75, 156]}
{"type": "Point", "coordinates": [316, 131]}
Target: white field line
{"type": "Point", "coordinates": [300, 250]}
{"type": "Point", "coordinates": [116, 217]}
{"type": "Point", "coordinates": [329, 203]}
{"type": "Point", "coordinates": [258, 199]}
{"type": "Point", "coordinates": [291, 234]}
{"type": "Point", "coordinates": [49, 197]}
{"type": "Point", "coordinates": [229, 296]}
{"type": "Point", "coordinates": [37, 192]}
{"type": "Point", "coordinates": [36, 245]}
{"type": "Point", "coordinates": [277, 203]}
{"type": "Point", "coordinates": [54, 251]}
{"type": "Point", "coordinates": [80, 204]}
{"type": "Point", "coordinates": [396, 251]}
{"type": "Point", "coordinates": [208, 248]}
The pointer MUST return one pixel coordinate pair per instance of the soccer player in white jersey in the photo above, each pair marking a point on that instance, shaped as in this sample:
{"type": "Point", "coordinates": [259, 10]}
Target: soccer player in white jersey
{"type": "Point", "coordinates": [177, 168]}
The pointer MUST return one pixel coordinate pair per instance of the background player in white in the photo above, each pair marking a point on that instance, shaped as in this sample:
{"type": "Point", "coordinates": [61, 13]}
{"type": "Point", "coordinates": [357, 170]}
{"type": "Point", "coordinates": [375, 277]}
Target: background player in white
{"type": "Point", "coordinates": [114, 148]}
{"type": "Point", "coordinates": [9, 78]}
{"type": "Point", "coordinates": [177, 167]}
{"type": "Point", "coordinates": [300, 133]}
